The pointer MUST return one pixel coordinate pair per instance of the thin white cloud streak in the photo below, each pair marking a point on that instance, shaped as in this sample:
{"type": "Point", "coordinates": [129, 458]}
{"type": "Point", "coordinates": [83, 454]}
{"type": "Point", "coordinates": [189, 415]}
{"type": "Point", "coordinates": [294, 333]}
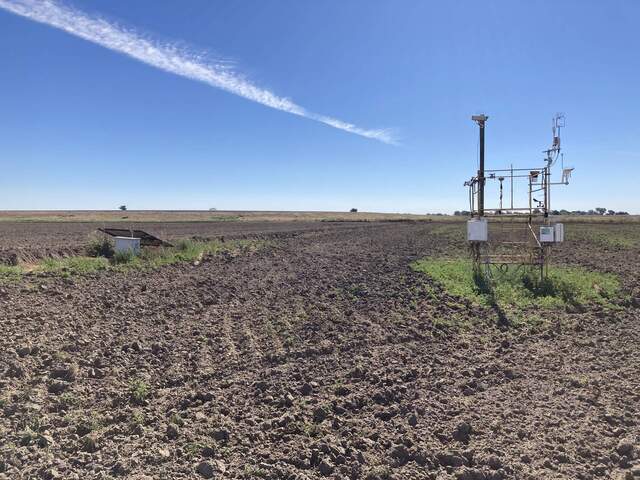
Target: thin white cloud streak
{"type": "Point", "coordinates": [170, 58]}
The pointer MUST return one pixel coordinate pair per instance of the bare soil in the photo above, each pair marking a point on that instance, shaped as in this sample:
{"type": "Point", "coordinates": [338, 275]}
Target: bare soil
{"type": "Point", "coordinates": [28, 241]}
{"type": "Point", "coordinates": [321, 356]}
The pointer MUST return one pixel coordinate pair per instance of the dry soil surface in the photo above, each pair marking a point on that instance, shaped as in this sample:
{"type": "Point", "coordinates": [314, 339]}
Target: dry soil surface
{"type": "Point", "coordinates": [321, 356]}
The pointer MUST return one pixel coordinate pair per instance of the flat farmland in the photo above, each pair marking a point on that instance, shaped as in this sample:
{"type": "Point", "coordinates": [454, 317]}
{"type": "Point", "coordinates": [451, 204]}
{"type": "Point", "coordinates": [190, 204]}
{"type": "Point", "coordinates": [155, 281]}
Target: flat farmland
{"type": "Point", "coordinates": [36, 240]}
{"type": "Point", "coordinates": [320, 353]}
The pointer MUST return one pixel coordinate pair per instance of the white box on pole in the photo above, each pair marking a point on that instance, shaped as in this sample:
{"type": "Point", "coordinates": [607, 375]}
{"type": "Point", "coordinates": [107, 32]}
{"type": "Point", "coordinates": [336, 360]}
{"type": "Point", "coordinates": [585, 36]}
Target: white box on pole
{"type": "Point", "coordinates": [559, 232]}
{"type": "Point", "coordinates": [477, 230]}
{"type": "Point", "coordinates": [546, 234]}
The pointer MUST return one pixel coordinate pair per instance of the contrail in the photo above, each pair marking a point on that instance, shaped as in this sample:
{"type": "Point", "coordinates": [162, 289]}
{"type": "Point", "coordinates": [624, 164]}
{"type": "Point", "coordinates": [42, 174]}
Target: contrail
{"type": "Point", "coordinates": [170, 58]}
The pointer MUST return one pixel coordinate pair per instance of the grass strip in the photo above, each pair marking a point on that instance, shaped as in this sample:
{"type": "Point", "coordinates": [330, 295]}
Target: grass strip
{"type": "Point", "coordinates": [520, 288]}
{"type": "Point", "coordinates": [149, 258]}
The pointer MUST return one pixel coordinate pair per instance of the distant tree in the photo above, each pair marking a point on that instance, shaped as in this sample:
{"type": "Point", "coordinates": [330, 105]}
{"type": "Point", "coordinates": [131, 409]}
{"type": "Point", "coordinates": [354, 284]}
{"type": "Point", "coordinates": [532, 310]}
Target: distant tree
{"type": "Point", "coordinates": [123, 207]}
{"type": "Point", "coordinates": [601, 211]}
{"type": "Point", "coordinates": [465, 213]}
{"type": "Point", "coordinates": [457, 213]}
{"type": "Point", "coordinates": [610, 212]}
{"type": "Point", "coordinates": [213, 209]}
{"type": "Point", "coordinates": [354, 210]}
{"type": "Point", "coordinates": [622, 213]}
{"type": "Point", "coordinates": [555, 212]}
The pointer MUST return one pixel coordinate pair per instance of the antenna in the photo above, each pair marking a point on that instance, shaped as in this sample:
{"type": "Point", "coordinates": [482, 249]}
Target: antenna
{"type": "Point", "coordinates": [557, 123]}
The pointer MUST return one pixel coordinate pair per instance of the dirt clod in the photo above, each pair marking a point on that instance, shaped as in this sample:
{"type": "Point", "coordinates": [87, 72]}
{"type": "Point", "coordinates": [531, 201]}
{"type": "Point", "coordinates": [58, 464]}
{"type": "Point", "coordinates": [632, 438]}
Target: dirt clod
{"type": "Point", "coordinates": [326, 467]}
{"type": "Point", "coordinates": [625, 447]}
{"type": "Point", "coordinates": [462, 432]}
{"type": "Point", "coordinates": [206, 470]}
{"type": "Point", "coordinates": [89, 443]}
{"type": "Point", "coordinates": [24, 351]}
{"type": "Point", "coordinates": [221, 435]}
{"type": "Point", "coordinates": [172, 432]}
{"type": "Point", "coordinates": [66, 372]}
{"type": "Point", "coordinates": [57, 387]}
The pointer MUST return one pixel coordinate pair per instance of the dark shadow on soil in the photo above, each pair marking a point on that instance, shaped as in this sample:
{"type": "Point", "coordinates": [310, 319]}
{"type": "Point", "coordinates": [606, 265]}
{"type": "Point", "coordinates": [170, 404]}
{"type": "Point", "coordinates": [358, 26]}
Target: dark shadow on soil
{"type": "Point", "coordinates": [485, 287]}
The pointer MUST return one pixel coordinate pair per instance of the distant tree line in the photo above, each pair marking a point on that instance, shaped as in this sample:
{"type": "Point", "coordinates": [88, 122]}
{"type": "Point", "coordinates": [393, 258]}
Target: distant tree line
{"type": "Point", "coordinates": [595, 211]}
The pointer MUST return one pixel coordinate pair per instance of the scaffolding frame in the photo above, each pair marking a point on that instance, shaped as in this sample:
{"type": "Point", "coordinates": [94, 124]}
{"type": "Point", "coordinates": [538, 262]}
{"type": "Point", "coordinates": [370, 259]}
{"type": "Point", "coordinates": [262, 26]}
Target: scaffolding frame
{"type": "Point", "coordinates": [500, 251]}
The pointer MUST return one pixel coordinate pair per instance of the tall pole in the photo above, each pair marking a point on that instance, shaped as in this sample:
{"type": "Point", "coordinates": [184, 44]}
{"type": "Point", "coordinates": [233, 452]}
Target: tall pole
{"type": "Point", "coordinates": [547, 203]}
{"type": "Point", "coordinates": [480, 120]}
{"type": "Point", "coordinates": [547, 172]}
{"type": "Point", "coordinates": [481, 173]}
{"type": "Point", "coordinates": [511, 182]}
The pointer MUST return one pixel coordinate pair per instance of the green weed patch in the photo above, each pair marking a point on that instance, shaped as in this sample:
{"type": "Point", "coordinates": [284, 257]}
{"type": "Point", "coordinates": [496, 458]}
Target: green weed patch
{"type": "Point", "coordinates": [72, 265]}
{"type": "Point", "coordinates": [519, 288]}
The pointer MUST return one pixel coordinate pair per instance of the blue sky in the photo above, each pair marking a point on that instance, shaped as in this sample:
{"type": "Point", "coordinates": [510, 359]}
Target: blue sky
{"type": "Point", "coordinates": [85, 127]}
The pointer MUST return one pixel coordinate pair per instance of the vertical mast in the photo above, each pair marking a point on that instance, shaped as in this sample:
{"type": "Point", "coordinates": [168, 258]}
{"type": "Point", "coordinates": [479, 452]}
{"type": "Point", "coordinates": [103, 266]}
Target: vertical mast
{"type": "Point", "coordinates": [480, 120]}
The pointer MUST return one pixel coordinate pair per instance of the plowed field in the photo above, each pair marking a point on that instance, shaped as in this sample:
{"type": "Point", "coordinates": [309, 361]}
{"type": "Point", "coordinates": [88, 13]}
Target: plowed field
{"type": "Point", "coordinates": [321, 355]}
